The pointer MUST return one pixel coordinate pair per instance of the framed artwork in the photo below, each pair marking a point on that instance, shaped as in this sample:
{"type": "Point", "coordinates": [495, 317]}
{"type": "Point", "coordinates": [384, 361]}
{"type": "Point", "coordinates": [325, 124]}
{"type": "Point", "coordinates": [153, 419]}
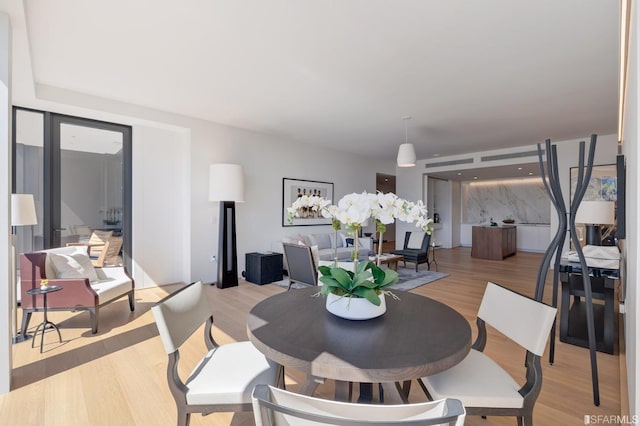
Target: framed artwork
{"type": "Point", "coordinates": [603, 186]}
{"type": "Point", "coordinates": [292, 189]}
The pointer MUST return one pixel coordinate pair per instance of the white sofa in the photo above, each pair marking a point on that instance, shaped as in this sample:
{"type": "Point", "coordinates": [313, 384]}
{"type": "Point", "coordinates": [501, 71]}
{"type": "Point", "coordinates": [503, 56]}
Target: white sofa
{"type": "Point", "coordinates": [326, 243]}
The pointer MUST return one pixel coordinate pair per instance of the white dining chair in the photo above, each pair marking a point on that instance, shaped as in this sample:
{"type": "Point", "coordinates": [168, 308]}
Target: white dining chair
{"type": "Point", "coordinates": [483, 386]}
{"type": "Point", "coordinates": [276, 407]}
{"type": "Point", "coordinates": [225, 376]}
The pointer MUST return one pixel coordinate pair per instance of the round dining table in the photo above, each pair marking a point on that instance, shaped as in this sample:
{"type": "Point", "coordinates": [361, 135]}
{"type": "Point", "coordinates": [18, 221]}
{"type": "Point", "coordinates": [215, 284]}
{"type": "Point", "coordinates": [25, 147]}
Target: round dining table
{"type": "Point", "coordinates": [416, 337]}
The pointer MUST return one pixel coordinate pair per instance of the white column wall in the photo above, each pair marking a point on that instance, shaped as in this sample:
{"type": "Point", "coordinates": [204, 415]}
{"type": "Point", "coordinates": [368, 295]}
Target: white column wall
{"type": "Point", "coordinates": [631, 244]}
{"type": "Point", "coordinates": [160, 206]}
{"type": "Point", "coordinates": [6, 276]}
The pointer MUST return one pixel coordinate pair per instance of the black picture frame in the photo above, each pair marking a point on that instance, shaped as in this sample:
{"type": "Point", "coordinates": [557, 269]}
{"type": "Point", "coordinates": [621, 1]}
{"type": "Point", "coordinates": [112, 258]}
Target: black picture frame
{"type": "Point", "coordinates": [290, 190]}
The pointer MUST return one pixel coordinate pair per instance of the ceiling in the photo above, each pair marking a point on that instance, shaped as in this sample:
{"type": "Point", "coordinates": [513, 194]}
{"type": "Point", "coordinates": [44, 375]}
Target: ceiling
{"type": "Point", "coordinates": [474, 76]}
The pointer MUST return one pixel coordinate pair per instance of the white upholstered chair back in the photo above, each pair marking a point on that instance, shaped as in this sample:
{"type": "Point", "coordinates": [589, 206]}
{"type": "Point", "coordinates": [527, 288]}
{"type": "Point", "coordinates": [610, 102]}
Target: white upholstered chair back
{"type": "Point", "coordinates": [275, 407]}
{"type": "Point", "coordinates": [180, 314]}
{"type": "Point", "coordinates": [525, 321]}
{"type": "Point", "coordinates": [48, 264]}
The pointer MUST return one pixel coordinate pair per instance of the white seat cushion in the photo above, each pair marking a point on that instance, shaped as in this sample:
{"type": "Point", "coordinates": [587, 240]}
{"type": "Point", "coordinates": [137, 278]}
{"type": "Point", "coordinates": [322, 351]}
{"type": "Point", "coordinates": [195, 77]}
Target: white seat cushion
{"type": "Point", "coordinates": [228, 374]}
{"type": "Point", "coordinates": [478, 382]}
{"type": "Point", "coordinates": [110, 288]}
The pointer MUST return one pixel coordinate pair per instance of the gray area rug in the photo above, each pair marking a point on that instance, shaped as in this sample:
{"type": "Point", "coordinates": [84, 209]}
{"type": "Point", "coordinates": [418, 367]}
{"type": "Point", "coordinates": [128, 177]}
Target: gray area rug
{"type": "Point", "coordinates": [407, 279]}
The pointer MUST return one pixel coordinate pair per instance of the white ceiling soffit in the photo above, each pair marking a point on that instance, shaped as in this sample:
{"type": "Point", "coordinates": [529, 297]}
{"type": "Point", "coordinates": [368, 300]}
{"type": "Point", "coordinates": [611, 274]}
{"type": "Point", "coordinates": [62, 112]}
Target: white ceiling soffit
{"type": "Point", "coordinates": [475, 76]}
{"type": "Point", "coordinates": [89, 139]}
{"type": "Point", "coordinates": [29, 131]}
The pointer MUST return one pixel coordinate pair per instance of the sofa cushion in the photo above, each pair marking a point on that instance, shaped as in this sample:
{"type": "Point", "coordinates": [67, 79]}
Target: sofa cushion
{"type": "Point", "coordinates": [415, 240]}
{"type": "Point", "coordinates": [72, 265]}
{"type": "Point", "coordinates": [323, 241]}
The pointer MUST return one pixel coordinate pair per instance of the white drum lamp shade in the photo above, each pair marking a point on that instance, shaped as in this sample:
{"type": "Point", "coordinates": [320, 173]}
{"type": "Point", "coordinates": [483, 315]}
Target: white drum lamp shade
{"type": "Point", "coordinates": [406, 155]}
{"type": "Point", "coordinates": [23, 210]}
{"type": "Point", "coordinates": [596, 213]}
{"type": "Point", "coordinates": [593, 214]}
{"type": "Point", "coordinates": [226, 182]}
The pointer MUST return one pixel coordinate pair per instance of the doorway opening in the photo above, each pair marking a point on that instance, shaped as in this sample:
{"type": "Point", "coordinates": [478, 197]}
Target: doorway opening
{"type": "Point", "coordinates": [387, 183]}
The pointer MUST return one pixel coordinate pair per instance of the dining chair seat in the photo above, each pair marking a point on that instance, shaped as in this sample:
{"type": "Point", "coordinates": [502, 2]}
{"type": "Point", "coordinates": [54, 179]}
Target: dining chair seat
{"type": "Point", "coordinates": [227, 374]}
{"type": "Point", "coordinates": [477, 381]}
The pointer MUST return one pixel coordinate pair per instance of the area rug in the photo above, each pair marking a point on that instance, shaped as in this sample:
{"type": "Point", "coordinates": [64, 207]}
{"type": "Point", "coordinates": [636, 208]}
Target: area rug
{"type": "Point", "coordinates": [407, 279]}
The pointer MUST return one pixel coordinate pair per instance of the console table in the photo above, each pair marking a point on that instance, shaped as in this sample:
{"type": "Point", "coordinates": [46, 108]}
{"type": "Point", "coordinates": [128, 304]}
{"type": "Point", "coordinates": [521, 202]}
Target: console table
{"type": "Point", "coordinates": [573, 326]}
{"type": "Point", "coordinates": [493, 242]}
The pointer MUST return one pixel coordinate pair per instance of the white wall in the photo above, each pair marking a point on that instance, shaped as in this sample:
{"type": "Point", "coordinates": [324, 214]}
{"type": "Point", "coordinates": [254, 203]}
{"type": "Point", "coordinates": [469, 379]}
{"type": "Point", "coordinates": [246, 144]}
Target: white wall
{"type": "Point", "coordinates": [266, 160]}
{"type": "Point", "coordinates": [631, 244]}
{"type": "Point", "coordinates": [5, 189]}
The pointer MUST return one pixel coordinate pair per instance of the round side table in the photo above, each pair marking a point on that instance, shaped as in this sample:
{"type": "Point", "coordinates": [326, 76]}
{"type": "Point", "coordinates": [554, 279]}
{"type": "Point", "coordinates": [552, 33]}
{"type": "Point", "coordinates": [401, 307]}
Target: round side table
{"type": "Point", "coordinates": [44, 291]}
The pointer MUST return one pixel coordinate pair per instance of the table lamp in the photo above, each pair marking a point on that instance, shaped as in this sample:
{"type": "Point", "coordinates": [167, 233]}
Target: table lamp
{"type": "Point", "coordinates": [23, 213]}
{"type": "Point", "coordinates": [593, 214]}
{"type": "Point", "coordinates": [226, 185]}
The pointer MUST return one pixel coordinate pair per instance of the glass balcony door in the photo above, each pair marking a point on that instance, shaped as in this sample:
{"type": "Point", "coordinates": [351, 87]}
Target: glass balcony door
{"type": "Point", "coordinates": [79, 171]}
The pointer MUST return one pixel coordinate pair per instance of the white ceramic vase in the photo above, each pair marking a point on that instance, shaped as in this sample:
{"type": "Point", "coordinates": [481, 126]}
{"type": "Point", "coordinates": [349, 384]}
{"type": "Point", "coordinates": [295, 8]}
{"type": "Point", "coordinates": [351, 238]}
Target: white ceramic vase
{"type": "Point", "coordinates": [354, 308]}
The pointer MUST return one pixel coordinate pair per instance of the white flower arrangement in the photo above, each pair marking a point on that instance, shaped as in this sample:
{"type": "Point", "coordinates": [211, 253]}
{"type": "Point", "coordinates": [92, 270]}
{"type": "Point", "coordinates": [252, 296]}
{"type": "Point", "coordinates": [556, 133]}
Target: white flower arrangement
{"type": "Point", "coordinates": [353, 210]}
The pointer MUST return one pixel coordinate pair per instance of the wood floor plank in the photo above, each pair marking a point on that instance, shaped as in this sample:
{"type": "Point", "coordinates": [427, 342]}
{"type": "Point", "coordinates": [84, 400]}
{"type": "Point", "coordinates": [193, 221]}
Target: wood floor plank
{"type": "Point", "coordinates": [119, 375]}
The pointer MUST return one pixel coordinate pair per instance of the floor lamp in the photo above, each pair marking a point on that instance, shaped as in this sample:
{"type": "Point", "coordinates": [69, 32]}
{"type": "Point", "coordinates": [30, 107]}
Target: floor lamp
{"type": "Point", "coordinates": [226, 185]}
{"type": "Point", "coordinates": [593, 214]}
{"type": "Point", "coordinates": [23, 213]}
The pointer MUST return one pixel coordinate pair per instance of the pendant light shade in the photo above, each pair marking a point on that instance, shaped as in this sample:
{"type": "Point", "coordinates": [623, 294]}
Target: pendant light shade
{"type": "Point", "coordinates": [406, 152]}
{"type": "Point", "coordinates": [406, 155]}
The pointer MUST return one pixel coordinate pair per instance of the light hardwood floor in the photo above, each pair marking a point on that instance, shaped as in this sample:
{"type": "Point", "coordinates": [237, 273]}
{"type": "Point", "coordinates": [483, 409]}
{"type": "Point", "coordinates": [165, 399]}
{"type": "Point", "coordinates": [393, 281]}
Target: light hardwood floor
{"type": "Point", "coordinates": [117, 377]}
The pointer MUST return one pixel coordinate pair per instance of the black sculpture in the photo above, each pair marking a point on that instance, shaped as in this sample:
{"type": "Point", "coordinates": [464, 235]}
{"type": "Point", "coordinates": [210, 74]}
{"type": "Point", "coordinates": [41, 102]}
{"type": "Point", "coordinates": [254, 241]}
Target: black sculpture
{"type": "Point", "coordinates": [551, 182]}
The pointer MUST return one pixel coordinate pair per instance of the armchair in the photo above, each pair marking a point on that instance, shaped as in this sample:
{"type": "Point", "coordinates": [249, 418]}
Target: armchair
{"type": "Point", "coordinates": [85, 287]}
{"type": "Point", "coordinates": [97, 246]}
{"type": "Point", "coordinates": [415, 249]}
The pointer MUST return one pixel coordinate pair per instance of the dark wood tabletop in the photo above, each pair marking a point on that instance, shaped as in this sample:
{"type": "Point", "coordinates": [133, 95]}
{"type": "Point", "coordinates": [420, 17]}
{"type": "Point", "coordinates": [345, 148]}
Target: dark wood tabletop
{"type": "Point", "coordinates": [416, 337]}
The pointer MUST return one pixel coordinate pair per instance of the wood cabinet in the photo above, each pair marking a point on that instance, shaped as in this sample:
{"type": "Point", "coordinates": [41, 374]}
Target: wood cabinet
{"type": "Point", "coordinates": [493, 242]}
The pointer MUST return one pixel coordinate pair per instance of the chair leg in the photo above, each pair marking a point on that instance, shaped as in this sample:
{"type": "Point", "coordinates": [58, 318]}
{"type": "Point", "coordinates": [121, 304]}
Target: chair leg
{"type": "Point", "coordinates": [183, 418]}
{"type": "Point", "coordinates": [527, 419]}
{"type": "Point", "coordinates": [26, 317]}
{"type": "Point", "coordinates": [93, 312]}
{"type": "Point", "coordinates": [417, 266]}
{"type": "Point", "coordinates": [132, 306]}
{"type": "Point", "coordinates": [520, 421]}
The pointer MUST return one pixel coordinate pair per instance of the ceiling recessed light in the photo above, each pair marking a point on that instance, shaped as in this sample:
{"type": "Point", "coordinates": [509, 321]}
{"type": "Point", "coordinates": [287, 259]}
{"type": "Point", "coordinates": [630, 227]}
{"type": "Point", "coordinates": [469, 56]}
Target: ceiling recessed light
{"type": "Point", "coordinates": [475, 177]}
{"type": "Point", "coordinates": [519, 168]}
{"type": "Point", "coordinates": [436, 155]}
{"type": "Point", "coordinates": [459, 174]}
{"type": "Point", "coordinates": [386, 179]}
{"type": "Point", "coordinates": [530, 173]}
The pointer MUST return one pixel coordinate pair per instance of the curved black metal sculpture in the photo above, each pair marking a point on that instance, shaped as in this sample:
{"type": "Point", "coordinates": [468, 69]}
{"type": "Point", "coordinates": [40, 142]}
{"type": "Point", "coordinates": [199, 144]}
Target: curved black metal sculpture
{"type": "Point", "coordinates": [551, 182]}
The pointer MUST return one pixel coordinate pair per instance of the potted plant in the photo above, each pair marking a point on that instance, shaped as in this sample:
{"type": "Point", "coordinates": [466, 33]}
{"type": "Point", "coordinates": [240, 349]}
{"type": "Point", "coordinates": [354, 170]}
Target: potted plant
{"type": "Point", "coordinates": [358, 292]}
{"type": "Point", "coordinates": [357, 295]}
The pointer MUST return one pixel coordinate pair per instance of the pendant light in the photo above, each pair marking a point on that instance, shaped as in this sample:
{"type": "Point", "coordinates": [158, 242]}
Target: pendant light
{"type": "Point", "coordinates": [406, 152]}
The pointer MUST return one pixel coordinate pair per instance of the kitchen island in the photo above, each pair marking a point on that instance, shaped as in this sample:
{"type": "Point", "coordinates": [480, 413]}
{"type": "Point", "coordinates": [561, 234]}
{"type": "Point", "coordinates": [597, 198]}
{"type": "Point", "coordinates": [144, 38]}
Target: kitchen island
{"type": "Point", "coordinates": [493, 242]}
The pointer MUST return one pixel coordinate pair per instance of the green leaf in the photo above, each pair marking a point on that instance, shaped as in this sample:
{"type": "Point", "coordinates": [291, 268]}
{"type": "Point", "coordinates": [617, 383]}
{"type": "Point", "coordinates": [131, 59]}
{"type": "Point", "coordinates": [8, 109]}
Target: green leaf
{"type": "Point", "coordinates": [390, 277]}
{"type": "Point", "coordinates": [324, 270]}
{"type": "Point", "coordinates": [342, 277]}
{"type": "Point", "coordinates": [368, 294]}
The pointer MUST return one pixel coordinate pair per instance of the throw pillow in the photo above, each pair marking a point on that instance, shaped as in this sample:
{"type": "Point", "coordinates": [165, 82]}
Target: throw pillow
{"type": "Point", "coordinates": [76, 265]}
{"type": "Point", "coordinates": [415, 240]}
